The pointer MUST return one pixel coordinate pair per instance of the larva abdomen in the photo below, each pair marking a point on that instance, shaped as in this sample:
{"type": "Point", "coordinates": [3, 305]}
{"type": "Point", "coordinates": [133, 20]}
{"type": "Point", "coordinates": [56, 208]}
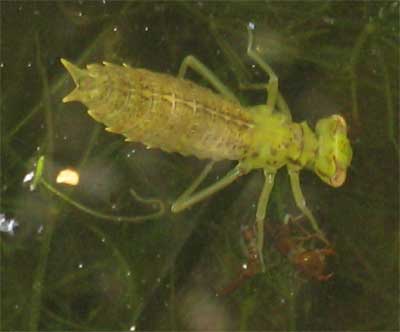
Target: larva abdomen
{"type": "Point", "coordinates": [162, 111]}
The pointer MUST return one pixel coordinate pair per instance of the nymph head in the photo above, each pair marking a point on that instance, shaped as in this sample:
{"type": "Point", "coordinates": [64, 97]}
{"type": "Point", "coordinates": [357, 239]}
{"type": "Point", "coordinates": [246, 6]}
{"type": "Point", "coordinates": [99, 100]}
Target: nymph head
{"type": "Point", "coordinates": [334, 152]}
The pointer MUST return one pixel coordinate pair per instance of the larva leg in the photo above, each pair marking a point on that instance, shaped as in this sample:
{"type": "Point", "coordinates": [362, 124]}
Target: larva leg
{"type": "Point", "coordinates": [281, 104]}
{"type": "Point", "coordinates": [187, 201]}
{"type": "Point", "coordinates": [201, 69]}
{"type": "Point", "coordinates": [206, 170]}
{"type": "Point", "coordinates": [301, 202]}
{"type": "Point", "coordinates": [262, 211]}
{"type": "Point", "coordinates": [272, 85]}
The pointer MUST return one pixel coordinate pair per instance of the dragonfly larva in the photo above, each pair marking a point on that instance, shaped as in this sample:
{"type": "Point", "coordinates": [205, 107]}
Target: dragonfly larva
{"type": "Point", "coordinates": [176, 115]}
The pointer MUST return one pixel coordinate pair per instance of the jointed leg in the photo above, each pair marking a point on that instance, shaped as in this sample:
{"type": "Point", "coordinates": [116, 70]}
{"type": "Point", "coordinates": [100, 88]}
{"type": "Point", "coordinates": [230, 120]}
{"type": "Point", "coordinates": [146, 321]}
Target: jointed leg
{"type": "Point", "coordinates": [186, 201]}
{"type": "Point", "coordinates": [272, 85]}
{"type": "Point", "coordinates": [206, 170]}
{"type": "Point", "coordinates": [275, 100]}
{"type": "Point", "coordinates": [301, 202]}
{"type": "Point", "coordinates": [201, 69]}
{"type": "Point", "coordinates": [262, 211]}
{"type": "Point", "coordinates": [281, 105]}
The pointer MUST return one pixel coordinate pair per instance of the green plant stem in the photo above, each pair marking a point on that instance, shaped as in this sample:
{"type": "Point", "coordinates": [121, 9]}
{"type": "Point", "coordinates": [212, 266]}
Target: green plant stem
{"type": "Point", "coordinates": [39, 274]}
{"type": "Point", "coordinates": [37, 287]}
{"type": "Point", "coordinates": [134, 219]}
{"type": "Point", "coordinates": [389, 100]}
{"type": "Point", "coordinates": [362, 38]}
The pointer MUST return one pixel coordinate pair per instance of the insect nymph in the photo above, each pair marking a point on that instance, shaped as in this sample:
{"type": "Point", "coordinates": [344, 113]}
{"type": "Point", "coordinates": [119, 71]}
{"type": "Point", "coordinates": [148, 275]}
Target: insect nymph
{"type": "Point", "coordinates": [176, 115]}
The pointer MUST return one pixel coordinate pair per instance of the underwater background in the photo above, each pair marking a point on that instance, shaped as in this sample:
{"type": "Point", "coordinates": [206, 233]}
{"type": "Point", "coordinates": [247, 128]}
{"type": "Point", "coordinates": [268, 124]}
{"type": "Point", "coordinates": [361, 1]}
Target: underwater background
{"type": "Point", "coordinates": [63, 267]}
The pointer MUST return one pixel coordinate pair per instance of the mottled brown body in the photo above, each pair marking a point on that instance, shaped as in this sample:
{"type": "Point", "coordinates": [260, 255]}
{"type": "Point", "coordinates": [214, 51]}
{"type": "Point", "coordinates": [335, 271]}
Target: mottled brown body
{"type": "Point", "coordinates": [165, 112]}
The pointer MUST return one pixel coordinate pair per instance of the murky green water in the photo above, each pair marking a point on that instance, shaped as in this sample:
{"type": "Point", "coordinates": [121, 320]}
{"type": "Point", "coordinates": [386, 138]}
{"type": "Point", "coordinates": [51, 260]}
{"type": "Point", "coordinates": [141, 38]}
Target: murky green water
{"type": "Point", "coordinates": [65, 269]}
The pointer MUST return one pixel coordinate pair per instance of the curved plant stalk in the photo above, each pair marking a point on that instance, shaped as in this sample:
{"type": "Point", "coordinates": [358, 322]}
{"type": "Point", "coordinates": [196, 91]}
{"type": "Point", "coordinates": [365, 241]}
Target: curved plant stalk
{"type": "Point", "coordinates": [131, 219]}
{"type": "Point", "coordinates": [369, 28]}
{"type": "Point", "coordinates": [38, 173]}
{"type": "Point", "coordinates": [40, 272]}
{"type": "Point", "coordinates": [389, 101]}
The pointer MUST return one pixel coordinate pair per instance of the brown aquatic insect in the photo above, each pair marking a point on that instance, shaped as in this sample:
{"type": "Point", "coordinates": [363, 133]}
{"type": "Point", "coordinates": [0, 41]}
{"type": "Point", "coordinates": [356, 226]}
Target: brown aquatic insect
{"type": "Point", "coordinates": [309, 263]}
{"type": "Point", "coordinates": [253, 264]}
{"type": "Point", "coordinates": [292, 240]}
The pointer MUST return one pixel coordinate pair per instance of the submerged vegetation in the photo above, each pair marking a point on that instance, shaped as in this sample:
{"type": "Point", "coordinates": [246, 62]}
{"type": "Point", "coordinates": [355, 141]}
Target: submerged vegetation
{"type": "Point", "coordinates": [66, 268]}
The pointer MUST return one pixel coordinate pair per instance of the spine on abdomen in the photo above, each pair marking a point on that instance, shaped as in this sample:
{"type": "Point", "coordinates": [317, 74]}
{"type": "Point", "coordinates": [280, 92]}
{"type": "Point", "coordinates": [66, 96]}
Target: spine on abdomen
{"type": "Point", "coordinates": [162, 111]}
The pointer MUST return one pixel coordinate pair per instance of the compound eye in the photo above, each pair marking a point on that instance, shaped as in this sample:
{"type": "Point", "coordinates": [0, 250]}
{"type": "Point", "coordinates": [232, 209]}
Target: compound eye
{"type": "Point", "coordinates": [340, 175]}
{"type": "Point", "coordinates": [341, 122]}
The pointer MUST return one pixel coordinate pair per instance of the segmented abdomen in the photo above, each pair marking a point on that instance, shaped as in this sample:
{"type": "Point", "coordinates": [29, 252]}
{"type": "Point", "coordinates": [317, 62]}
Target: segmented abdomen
{"type": "Point", "coordinates": [162, 111]}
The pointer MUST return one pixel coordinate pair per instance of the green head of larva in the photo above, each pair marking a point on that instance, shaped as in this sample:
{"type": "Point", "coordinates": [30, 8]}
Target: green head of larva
{"type": "Point", "coordinates": [334, 152]}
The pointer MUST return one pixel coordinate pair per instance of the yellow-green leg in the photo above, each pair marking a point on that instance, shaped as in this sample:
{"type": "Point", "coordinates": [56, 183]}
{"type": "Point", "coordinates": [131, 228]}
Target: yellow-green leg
{"type": "Point", "coordinates": [281, 105]}
{"type": "Point", "coordinates": [186, 194]}
{"type": "Point", "coordinates": [276, 101]}
{"type": "Point", "coordinates": [301, 202]}
{"type": "Point", "coordinates": [196, 65]}
{"type": "Point", "coordinates": [272, 85]}
{"type": "Point", "coordinates": [261, 212]}
{"type": "Point", "coordinates": [186, 201]}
